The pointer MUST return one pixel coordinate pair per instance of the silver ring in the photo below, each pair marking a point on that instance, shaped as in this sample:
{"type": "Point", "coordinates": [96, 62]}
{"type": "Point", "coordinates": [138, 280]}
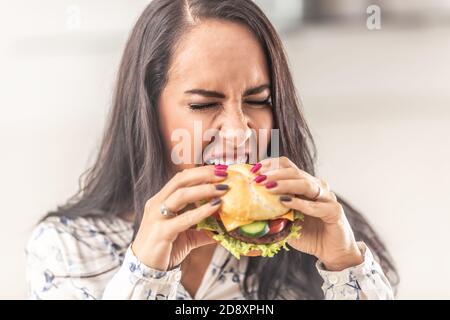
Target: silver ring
{"type": "Point", "coordinates": [165, 211]}
{"type": "Point", "coordinates": [319, 193]}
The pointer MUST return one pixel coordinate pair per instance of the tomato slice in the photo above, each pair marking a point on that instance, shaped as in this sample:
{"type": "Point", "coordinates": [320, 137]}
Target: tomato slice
{"type": "Point", "coordinates": [277, 225]}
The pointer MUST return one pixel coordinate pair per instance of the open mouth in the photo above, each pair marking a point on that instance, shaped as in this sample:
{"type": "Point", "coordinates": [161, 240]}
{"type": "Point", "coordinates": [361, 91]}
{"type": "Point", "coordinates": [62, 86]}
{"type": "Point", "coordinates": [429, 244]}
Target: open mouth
{"type": "Point", "coordinates": [227, 161]}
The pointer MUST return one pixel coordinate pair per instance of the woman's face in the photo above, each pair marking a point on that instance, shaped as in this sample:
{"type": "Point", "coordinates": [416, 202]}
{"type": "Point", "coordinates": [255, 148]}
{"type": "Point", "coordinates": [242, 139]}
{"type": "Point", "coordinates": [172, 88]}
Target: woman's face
{"type": "Point", "coordinates": [218, 83]}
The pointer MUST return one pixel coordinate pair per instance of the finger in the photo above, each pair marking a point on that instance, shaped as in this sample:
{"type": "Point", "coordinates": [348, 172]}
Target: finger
{"type": "Point", "coordinates": [193, 176]}
{"type": "Point", "coordinates": [308, 188]}
{"type": "Point", "coordinates": [199, 238]}
{"type": "Point", "coordinates": [328, 212]}
{"type": "Point", "coordinates": [333, 196]}
{"type": "Point", "coordinates": [184, 196]}
{"type": "Point", "coordinates": [270, 164]}
{"type": "Point", "coordinates": [282, 174]}
{"type": "Point", "coordinates": [325, 185]}
{"type": "Point", "coordinates": [189, 218]}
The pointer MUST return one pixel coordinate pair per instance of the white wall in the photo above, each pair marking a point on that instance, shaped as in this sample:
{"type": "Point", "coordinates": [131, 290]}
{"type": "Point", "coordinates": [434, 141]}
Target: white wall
{"type": "Point", "coordinates": [56, 78]}
{"type": "Point", "coordinates": [377, 103]}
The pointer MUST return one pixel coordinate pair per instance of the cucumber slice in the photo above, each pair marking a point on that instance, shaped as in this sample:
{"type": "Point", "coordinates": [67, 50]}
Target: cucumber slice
{"type": "Point", "coordinates": [256, 229]}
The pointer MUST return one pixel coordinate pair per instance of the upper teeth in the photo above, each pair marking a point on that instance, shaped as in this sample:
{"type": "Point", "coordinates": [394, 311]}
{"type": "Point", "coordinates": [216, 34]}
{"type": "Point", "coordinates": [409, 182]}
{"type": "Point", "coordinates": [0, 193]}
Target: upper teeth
{"type": "Point", "coordinates": [227, 162]}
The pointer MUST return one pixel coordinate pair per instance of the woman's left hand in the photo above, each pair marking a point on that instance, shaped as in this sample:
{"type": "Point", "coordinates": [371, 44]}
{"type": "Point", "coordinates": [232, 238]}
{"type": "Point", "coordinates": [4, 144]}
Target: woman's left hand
{"type": "Point", "coordinates": [326, 232]}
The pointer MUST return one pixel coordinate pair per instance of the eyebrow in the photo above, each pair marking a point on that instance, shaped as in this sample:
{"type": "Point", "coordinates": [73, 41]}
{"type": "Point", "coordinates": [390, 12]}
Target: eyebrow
{"type": "Point", "coordinates": [215, 94]}
{"type": "Point", "coordinates": [256, 90]}
{"type": "Point", "coordinates": [206, 93]}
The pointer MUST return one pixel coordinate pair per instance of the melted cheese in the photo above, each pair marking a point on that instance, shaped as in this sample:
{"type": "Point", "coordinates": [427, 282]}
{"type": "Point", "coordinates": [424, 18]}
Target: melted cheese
{"type": "Point", "coordinates": [289, 216]}
{"type": "Point", "coordinates": [231, 224]}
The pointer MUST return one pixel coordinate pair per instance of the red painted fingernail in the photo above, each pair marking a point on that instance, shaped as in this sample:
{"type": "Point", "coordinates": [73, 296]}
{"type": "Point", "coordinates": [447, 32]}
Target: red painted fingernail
{"type": "Point", "coordinates": [271, 184]}
{"type": "Point", "coordinates": [255, 168]}
{"type": "Point", "coordinates": [221, 166]}
{"type": "Point", "coordinates": [260, 178]}
{"type": "Point", "coordinates": [220, 173]}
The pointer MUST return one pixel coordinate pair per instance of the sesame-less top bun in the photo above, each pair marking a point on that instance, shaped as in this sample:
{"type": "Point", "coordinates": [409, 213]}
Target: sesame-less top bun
{"type": "Point", "coordinates": [247, 200]}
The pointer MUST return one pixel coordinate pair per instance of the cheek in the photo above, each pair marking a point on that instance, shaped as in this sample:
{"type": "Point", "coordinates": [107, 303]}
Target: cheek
{"type": "Point", "coordinates": [179, 121]}
{"type": "Point", "coordinates": [167, 124]}
{"type": "Point", "coordinates": [261, 119]}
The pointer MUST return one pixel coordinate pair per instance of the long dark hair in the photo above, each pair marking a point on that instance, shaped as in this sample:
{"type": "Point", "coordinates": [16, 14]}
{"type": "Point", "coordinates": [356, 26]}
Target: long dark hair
{"type": "Point", "coordinates": [132, 165]}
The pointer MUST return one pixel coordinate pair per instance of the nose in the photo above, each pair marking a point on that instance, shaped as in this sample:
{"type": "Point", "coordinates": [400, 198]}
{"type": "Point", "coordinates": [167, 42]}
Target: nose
{"type": "Point", "coordinates": [235, 130]}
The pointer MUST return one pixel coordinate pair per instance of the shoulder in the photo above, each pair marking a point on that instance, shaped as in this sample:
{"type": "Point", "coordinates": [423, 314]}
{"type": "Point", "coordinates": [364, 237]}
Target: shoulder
{"type": "Point", "coordinates": [79, 246]}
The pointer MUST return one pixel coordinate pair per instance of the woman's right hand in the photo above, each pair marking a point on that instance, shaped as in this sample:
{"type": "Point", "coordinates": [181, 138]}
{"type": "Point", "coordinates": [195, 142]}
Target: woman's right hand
{"type": "Point", "coordinates": [163, 242]}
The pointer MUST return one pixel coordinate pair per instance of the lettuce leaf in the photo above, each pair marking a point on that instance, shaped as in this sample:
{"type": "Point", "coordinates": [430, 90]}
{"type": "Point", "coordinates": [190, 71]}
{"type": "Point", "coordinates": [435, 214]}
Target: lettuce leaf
{"type": "Point", "coordinates": [238, 248]}
{"type": "Point", "coordinates": [210, 224]}
{"type": "Point", "coordinates": [298, 215]}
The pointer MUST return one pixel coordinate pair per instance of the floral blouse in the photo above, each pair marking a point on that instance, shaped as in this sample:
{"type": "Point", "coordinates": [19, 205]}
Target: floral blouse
{"type": "Point", "coordinates": [90, 258]}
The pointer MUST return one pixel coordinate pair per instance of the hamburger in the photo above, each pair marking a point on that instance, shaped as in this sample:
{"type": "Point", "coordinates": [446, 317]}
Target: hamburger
{"type": "Point", "coordinates": [251, 221]}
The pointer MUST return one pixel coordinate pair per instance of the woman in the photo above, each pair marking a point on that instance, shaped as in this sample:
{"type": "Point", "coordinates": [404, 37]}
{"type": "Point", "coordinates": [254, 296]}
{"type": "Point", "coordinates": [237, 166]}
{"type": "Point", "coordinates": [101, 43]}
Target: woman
{"type": "Point", "coordinates": [219, 64]}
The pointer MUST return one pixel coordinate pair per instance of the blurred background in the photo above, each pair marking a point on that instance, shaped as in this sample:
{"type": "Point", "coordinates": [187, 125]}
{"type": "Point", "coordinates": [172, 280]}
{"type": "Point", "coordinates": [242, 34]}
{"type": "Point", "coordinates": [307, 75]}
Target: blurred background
{"type": "Point", "coordinates": [374, 78]}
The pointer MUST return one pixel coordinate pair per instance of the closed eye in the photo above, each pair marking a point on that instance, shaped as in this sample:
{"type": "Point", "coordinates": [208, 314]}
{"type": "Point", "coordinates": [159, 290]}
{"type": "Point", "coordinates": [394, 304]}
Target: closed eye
{"type": "Point", "coordinates": [253, 103]}
{"type": "Point", "coordinates": [261, 103]}
{"type": "Point", "coordinates": [203, 106]}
